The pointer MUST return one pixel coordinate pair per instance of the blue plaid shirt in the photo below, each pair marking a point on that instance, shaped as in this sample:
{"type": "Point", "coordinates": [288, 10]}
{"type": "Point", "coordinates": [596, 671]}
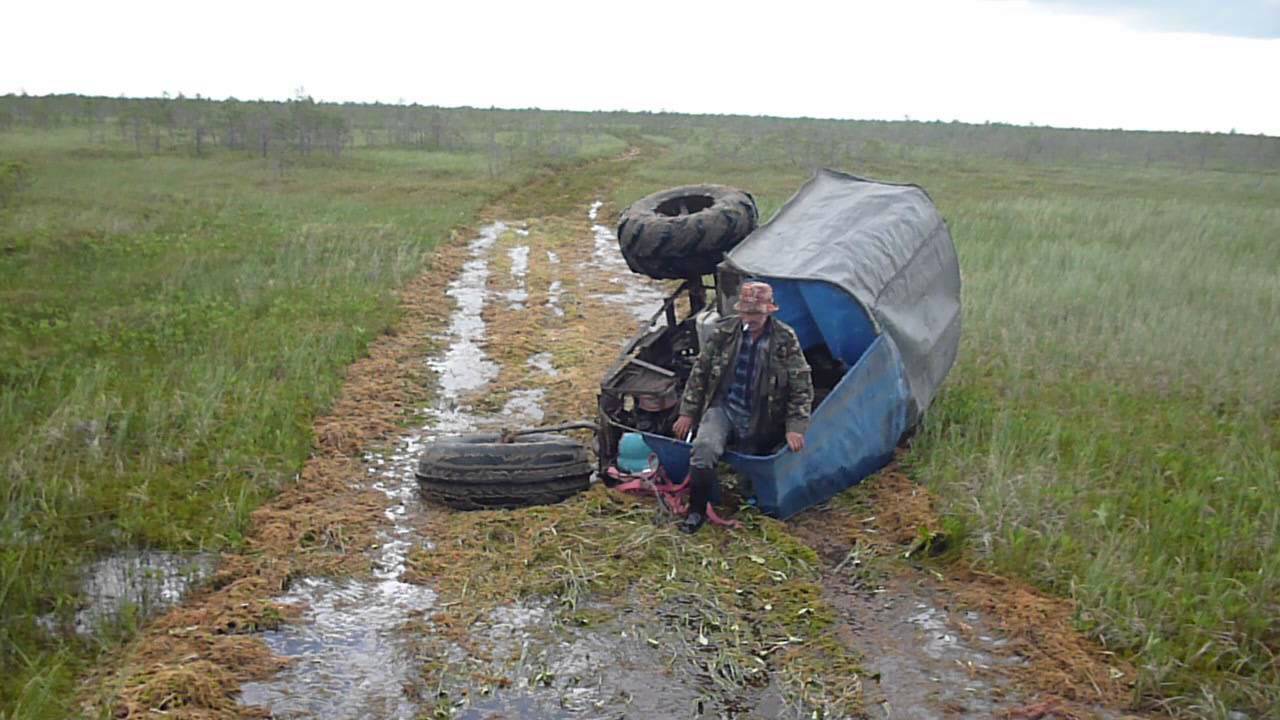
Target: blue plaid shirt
{"type": "Point", "coordinates": [737, 401]}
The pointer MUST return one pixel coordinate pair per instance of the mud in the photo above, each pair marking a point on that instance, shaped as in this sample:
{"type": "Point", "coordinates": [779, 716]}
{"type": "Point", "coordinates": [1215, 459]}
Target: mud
{"type": "Point", "coordinates": [940, 639]}
{"type": "Point", "coordinates": [922, 666]}
{"type": "Point", "coordinates": [625, 667]}
{"type": "Point", "coordinates": [932, 658]}
{"type": "Point", "coordinates": [557, 671]}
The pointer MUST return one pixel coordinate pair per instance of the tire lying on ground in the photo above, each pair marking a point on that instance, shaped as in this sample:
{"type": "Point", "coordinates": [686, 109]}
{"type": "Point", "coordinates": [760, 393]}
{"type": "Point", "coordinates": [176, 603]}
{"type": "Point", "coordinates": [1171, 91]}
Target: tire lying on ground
{"type": "Point", "coordinates": [473, 472]}
{"type": "Point", "coordinates": [684, 231]}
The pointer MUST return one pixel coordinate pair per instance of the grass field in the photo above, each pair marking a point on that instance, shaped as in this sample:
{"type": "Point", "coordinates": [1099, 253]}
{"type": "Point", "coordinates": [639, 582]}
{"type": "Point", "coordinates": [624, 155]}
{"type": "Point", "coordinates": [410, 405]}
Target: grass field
{"type": "Point", "coordinates": [169, 325]}
{"type": "Point", "coordinates": [1111, 430]}
{"type": "Point", "coordinates": [168, 328]}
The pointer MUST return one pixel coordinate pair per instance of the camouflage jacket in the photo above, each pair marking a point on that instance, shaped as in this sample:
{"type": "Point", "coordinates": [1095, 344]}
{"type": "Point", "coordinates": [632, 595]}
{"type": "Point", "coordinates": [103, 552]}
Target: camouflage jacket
{"type": "Point", "coordinates": [782, 393]}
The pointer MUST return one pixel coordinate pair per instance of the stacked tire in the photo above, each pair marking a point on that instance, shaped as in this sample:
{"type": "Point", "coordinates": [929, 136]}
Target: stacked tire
{"type": "Point", "coordinates": [685, 231]}
{"type": "Point", "coordinates": [474, 472]}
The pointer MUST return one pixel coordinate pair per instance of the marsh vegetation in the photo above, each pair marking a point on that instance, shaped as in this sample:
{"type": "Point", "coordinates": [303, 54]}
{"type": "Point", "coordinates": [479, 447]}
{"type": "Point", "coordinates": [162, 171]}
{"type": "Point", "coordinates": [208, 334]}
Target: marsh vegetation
{"type": "Point", "coordinates": [179, 300]}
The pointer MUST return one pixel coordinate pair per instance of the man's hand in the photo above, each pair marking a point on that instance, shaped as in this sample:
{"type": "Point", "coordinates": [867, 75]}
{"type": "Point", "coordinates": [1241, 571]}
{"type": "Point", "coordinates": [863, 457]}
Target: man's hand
{"type": "Point", "coordinates": [683, 425]}
{"type": "Point", "coordinates": [795, 441]}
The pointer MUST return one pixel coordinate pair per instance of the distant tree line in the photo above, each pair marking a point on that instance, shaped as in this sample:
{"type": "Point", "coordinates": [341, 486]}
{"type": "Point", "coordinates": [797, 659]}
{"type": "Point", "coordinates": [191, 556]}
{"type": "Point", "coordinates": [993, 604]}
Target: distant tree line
{"type": "Point", "coordinates": [812, 142]}
{"type": "Point", "coordinates": [303, 127]}
{"type": "Point", "coordinates": [167, 123]}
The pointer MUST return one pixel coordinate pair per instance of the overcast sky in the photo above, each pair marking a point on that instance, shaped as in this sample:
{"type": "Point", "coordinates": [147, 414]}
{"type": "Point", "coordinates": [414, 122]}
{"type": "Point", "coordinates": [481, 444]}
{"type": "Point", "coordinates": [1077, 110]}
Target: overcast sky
{"type": "Point", "coordinates": [1139, 64]}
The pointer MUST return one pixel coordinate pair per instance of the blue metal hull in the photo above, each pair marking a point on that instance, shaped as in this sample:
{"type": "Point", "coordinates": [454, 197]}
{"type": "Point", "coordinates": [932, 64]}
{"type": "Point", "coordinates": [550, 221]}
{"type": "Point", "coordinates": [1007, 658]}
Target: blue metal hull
{"type": "Point", "coordinates": [853, 433]}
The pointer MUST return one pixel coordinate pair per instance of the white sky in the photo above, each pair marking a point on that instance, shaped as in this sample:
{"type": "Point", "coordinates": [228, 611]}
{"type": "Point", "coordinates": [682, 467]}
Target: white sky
{"type": "Point", "coordinates": [967, 60]}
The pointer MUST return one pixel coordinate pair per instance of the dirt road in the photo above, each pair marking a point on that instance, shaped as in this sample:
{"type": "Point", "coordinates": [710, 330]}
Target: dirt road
{"type": "Point", "coordinates": [353, 599]}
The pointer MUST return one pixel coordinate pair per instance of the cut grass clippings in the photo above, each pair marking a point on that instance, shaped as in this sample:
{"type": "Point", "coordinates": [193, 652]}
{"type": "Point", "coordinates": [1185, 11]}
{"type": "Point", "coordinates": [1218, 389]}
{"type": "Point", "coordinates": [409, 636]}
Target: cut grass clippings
{"type": "Point", "coordinates": [758, 588]}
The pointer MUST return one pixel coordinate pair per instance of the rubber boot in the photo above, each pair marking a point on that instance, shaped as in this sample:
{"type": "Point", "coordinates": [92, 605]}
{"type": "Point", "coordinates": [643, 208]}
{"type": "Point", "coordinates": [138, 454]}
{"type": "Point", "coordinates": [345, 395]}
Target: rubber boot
{"type": "Point", "coordinates": [703, 480]}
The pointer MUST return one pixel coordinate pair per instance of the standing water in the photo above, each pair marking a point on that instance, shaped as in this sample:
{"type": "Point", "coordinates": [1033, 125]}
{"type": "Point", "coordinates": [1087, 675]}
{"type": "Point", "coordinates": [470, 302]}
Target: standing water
{"type": "Point", "coordinates": [139, 581]}
{"type": "Point", "coordinates": [351, 658]}
{"type": "Point", "coordinates": [640, 297]}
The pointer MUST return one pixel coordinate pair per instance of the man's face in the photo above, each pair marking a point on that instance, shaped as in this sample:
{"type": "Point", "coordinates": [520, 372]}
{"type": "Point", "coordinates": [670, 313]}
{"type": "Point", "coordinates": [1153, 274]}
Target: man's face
{"type": "Point", "coordinates": [753, 321]}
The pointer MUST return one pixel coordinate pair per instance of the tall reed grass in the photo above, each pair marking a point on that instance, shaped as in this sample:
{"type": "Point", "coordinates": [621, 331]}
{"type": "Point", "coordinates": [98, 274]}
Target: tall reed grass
{"type": "Point", "coordinates": [1111, 429]}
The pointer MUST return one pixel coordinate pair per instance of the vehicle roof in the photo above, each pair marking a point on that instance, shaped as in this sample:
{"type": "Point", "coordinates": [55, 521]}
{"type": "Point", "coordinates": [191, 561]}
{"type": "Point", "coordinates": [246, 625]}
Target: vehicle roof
{"type": "Point", "coordinates": [886, 245]}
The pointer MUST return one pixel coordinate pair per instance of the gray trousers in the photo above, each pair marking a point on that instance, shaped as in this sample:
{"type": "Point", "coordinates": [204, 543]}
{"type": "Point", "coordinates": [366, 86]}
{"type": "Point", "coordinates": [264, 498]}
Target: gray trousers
{"type": "Point", "coordinates": [715, 432]}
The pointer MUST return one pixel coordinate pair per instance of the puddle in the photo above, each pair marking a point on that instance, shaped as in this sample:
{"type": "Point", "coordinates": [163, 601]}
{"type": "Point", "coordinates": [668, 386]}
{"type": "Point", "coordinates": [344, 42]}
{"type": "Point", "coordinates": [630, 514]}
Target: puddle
{"type": "Point", "coordinates": [553, 297]}
{"type": "Point", "coordinates": [351, 656]}
{"type": "Point", "coordinates": [635, 292]}
{"type": "Point", "coordinates": [542, 361]}
{"type": "Point", "coordinates": [930, 662]}
{"type": "Point", "coordinates": [348, 659]}
{"type": "Point", "coordinates": [623, 667]}
{"type": "Point", "coordinates": [464, 366]}
{"type": "Point", "coordinates": [519, 269]}
{"type": "Point", "coordinates": [351, 659]}
{"type": "Point", "coordinates": [525, 406]}
{"type": "Point", "coordinates": [144, 581]}
{"type": "Point", "coordinates": [642, 302]}
{"type": "Point", "coordinates": [606, 254]}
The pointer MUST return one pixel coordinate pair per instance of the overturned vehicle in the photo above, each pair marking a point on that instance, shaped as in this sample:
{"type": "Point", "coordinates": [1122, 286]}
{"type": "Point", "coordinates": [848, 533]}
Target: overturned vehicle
{"type": "Point", "coordinates": [864, 271]}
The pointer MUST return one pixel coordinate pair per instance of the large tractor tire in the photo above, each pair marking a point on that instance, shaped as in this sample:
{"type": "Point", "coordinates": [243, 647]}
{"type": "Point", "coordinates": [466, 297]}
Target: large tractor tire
{"type": "Point", "coordinates": [473, 472]}
{"type": "Point", "coordinates": [685, 231]}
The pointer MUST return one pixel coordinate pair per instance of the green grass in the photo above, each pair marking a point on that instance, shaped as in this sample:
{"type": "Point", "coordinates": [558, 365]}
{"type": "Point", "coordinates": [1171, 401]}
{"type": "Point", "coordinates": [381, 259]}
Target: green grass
{"type": "Point", "coordinates": [169, 326]}
{"type": "Point", "coordinates": [1111, 431]}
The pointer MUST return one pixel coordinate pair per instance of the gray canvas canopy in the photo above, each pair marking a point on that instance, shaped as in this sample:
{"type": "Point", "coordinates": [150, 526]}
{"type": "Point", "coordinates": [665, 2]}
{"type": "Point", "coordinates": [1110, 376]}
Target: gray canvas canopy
{"type": "Point", "coordinates": [884, 244]}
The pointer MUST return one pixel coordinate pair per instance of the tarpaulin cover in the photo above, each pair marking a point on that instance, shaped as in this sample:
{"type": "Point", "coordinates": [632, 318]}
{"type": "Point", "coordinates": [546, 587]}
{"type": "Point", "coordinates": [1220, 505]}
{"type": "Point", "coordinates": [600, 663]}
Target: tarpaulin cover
{"type": "Point", "coordinates": [868, 270]}
{"type": "Point", "coordinates": [886, 245]}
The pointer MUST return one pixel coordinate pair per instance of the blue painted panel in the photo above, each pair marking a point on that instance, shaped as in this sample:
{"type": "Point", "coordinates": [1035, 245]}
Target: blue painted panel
{"type": "Point", "coordinates": [793, 311]}
{"type": "Point", "coordinates": [822, 313]}
{"type": "Point", "coordinates": [844, 325]}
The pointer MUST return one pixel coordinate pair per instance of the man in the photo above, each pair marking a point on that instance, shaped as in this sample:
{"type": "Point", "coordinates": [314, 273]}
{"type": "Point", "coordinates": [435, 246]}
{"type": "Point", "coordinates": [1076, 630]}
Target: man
{"type": "Point", "coordinates": [750, 387]}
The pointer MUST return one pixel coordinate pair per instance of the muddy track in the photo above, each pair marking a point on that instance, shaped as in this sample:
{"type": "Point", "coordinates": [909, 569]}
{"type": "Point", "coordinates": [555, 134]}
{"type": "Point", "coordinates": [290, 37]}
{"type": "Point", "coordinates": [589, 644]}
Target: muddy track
{"type": "Point", "coordinates": [943, 639]}
{"type": "Point", "coordinates": [352, 599]}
